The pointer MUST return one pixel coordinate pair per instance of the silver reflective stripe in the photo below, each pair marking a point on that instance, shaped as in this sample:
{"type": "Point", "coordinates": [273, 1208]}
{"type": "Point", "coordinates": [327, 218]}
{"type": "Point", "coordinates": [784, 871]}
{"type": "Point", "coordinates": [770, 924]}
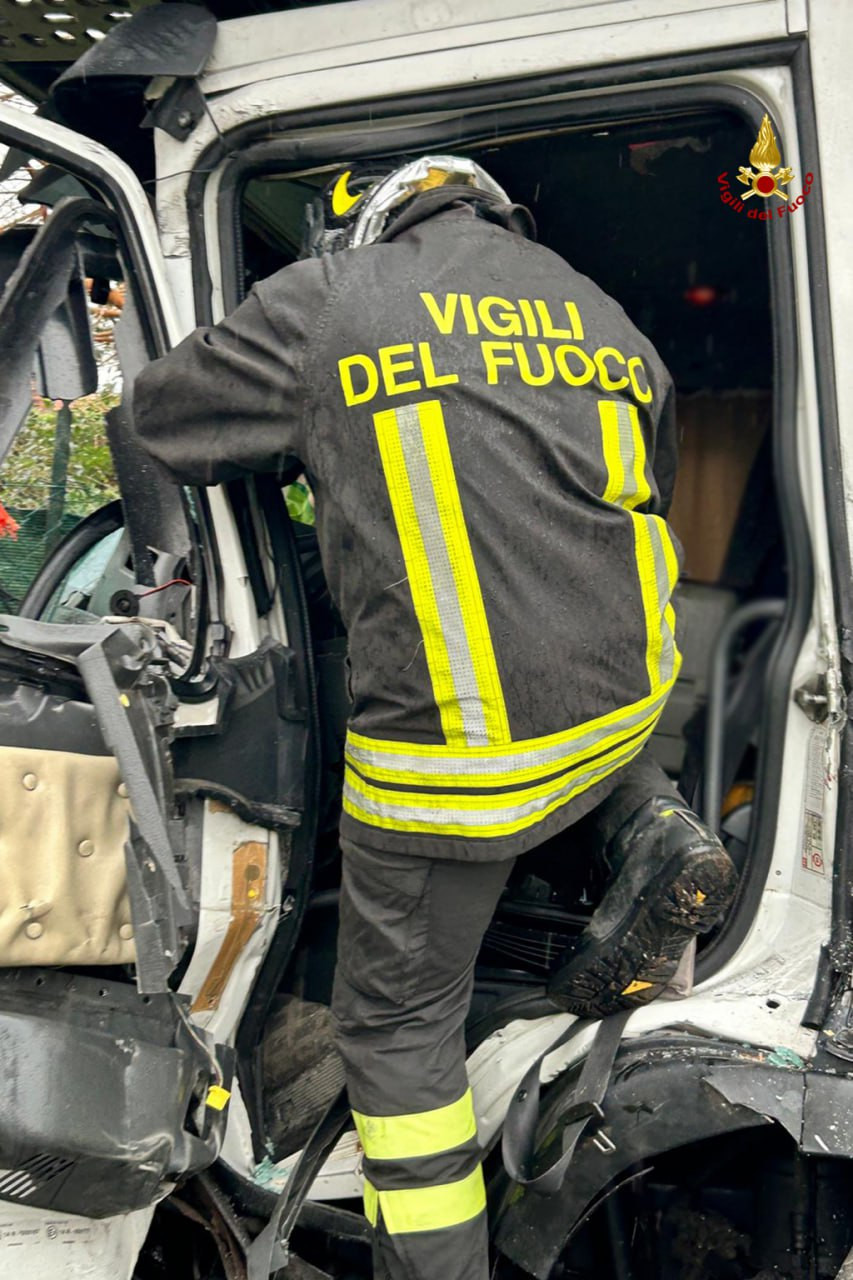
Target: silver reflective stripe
{"type": "Point", "coordinates": [444, 583]}
{"type": "Point", "coordinates": [624, 454]}
{"type": "Point", "coordinates": [505, 814]}
{"type": "Point", "coordinates": [502, 761]}
{"type": "Point", "coordinates": [625, 429]}
{"type": "Point", "coordinates": [657, 533]}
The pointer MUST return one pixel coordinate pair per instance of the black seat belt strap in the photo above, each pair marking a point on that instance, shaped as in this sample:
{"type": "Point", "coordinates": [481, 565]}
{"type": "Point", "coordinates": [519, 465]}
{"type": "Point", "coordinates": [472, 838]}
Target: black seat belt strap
{"type": "Point", "coordinates": [519, 1132]}
{"type": "Point", "coordinates": [269, 1252]}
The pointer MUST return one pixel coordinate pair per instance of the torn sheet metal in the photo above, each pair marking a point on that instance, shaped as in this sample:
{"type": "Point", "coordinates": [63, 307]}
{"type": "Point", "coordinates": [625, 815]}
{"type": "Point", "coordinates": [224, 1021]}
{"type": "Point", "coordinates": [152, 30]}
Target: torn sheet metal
{"type": "Point", "coordinates": [815, 1107]}
{"type": "Point", "coordinates": [828, 1115]}
{"type": "Point", "coordinates": [774, 1093]}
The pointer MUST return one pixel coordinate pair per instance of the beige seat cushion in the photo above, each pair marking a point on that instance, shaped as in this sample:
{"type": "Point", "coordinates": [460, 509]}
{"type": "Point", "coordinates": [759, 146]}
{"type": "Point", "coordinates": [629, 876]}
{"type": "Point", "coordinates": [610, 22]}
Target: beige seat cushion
{"type": "Point", "coordinates": [63, 889]}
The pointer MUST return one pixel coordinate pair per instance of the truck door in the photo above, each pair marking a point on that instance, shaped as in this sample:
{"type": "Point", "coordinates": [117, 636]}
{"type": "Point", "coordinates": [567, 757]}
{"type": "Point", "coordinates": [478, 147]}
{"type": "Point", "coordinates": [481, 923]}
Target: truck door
{"type": "Point", "coordinates": [156, 727]}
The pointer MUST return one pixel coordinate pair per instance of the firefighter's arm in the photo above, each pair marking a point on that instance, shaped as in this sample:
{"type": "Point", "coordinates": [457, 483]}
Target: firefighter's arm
{"type": "Point", "coordinates": [229, 399]}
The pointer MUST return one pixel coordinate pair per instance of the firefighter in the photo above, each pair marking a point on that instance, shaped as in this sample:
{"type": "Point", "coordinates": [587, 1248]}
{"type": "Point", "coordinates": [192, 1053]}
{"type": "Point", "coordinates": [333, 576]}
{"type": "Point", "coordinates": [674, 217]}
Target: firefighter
{"type": "Point", "coordinates": [491, 447]}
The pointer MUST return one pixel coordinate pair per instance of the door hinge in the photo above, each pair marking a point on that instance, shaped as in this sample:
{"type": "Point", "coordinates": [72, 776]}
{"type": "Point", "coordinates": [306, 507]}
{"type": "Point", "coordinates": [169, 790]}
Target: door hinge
{"type": "Point", "coordinates": [822, 698]}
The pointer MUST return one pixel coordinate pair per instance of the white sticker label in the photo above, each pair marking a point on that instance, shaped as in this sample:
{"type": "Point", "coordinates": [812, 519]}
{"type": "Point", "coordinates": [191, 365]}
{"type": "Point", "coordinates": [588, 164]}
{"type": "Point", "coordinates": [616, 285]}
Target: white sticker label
{"type": "Point", "coordinates": [813, 802]}
{"type": "Point", "coordinates": [15, 1234]}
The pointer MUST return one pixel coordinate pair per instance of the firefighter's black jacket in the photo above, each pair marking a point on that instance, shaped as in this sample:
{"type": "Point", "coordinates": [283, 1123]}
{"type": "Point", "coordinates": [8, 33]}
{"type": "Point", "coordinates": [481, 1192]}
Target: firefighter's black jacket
{"type": "Point", "coordinates": [490, 442]}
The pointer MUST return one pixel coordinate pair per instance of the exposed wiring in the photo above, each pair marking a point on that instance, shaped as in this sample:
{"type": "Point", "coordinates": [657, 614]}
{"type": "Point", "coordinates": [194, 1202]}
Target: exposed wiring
{"type": "Point", "coordinates": [173, 582]}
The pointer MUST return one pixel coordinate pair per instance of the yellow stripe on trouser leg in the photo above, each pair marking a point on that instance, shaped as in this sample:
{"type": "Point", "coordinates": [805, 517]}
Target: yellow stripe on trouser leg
{"type": "Point", "coordinates": [420, 578]}
{"type": "Point", "coordinates": [449, 503]}
{"type": "Point", "coordinates": [371, 1203]}
{"type": "Point", "coordinates": [426, 1208]}
{"type": "Point", "coordinates": [421, 1133]}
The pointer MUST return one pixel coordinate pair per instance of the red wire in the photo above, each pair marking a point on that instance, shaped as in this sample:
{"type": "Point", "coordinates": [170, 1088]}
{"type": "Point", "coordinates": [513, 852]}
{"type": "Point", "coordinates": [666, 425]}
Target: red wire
{"type": "Point", "coordinates": [173, 582]}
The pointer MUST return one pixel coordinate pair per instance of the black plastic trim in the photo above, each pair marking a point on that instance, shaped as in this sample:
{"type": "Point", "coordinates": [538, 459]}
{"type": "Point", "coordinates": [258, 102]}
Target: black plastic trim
{"type": "Point", "coordinates": [297, 887]}
{"type": "Point", "coordinates": [659, 1099]}
{"type": "Point", "coordinates": [238, 494]}
{"type": "Point", "coordinates": [117, 1129]}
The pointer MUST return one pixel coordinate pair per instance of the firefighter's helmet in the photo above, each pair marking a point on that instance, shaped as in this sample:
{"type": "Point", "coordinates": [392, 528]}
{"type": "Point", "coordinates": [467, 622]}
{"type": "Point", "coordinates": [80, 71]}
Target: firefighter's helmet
{"type": "Point", "coordinates": [355, 207]}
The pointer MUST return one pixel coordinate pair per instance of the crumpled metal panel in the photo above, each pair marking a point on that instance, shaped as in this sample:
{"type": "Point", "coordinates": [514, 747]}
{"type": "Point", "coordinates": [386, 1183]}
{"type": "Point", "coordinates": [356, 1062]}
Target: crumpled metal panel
{"type": "Point", "coordinates": [104, 1094]}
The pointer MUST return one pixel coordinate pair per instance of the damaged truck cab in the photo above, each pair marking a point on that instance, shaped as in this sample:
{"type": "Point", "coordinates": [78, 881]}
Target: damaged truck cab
{"type": "Point", "coordinates": [173, 679]}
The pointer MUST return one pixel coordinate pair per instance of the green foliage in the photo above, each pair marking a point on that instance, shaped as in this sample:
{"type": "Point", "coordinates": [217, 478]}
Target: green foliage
{"type": "Point", "coordinates": [300, 503]}
{"type": "Point", "coordinates": [26, 474]}
{"type": "Point", "coordinates": [25, 486]}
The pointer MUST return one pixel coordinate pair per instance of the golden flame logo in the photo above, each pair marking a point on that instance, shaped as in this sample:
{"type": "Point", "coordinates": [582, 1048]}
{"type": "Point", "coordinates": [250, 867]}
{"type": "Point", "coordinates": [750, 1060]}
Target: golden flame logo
{"type": "Point", "coordinates": [766, 157]}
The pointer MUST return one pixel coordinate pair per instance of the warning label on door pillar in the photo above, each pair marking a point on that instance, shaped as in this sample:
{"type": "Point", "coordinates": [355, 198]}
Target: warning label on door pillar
{"type": "Point", "coordinates": [813, 803]}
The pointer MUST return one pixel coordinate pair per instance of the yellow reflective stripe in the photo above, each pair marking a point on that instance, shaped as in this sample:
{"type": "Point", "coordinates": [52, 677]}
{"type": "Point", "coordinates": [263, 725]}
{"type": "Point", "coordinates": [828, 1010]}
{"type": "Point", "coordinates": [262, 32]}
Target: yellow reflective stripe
{"type": "Point", "coordinates": [669, 554]}
{"type": "Point", "coordinates": [371, 1203]}
{"type": "Point", "coordinates": [657, 564]}
{"type": "Point", "coordinates": [427, 1208]}
{"type": "Point", "coordinates": [464, 773]}
{"type": "Point", "coordinates": [449, 504]}
{"type": "Point", "coordinates": [624, 454]}
{"type": "Point", "coordinates": [466, 826]}
{"type": "Point", "coordinates": [418, 570]}
{"type": "Point", "coordinates": [642, 489]}
{"type": "Point", "coordinates": [658, 574]}
{"type": "Point", "coordinates": [612, 452]}
{"type": "Point", "coordinates": [494, 801]}
{"type": "Point", "coordinates": [671, 571]}
{"type": "Point", "coordinates": [458, 755]}
{"type": "Point", "coordinates": [422, 1133]}
{"type": "Point", "coordinates": [652, 609]}
{"type": "Point", "coordinates": [443, 581]}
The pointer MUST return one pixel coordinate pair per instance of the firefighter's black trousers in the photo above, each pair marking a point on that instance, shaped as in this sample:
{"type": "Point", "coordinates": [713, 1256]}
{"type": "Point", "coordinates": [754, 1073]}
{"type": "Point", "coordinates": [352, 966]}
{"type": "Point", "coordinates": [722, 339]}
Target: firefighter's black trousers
{"type": "Point", "coordinates": [410, 930]}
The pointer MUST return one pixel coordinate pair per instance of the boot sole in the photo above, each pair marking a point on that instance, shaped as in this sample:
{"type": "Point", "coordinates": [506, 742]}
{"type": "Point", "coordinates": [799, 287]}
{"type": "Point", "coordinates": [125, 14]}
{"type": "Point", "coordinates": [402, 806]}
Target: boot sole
{"type": "Point", "coordinates": [634, 962]}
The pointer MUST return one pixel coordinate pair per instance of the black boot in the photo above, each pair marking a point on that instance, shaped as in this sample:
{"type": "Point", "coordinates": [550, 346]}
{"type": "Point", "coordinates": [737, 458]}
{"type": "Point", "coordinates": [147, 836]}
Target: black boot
{"type": "Point", "coordinates": [673, 879]}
